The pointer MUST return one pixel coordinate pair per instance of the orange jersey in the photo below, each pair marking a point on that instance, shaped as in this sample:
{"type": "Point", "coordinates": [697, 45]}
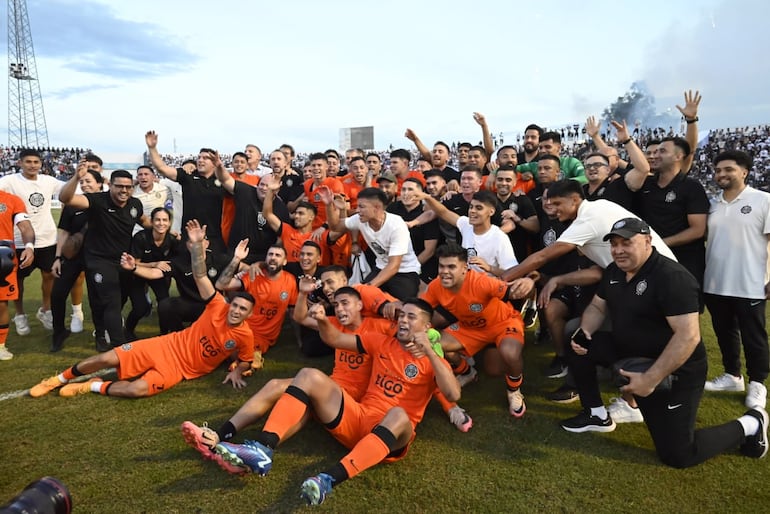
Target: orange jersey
{"type": "Point", "coordinates": [273, 298]}
{"type": "Point", "coordinates": [228, 204]}
{"type": "Point", "coordinates": [523, 186]}
{"type": "Point", "coordinates": [372, 298]}
{"type": "Point", "coordinates": [352, 188]}
{"type": "Point", "coordinates": [478, 304]}
{"type": "Point", "coordinates": [339, 252]}
{"type": "Point", "coordinates": [11, 206]}
{"type": "Point", "coordinates": [199, 349]}
{"type": "Point", "coordinates": [313, 197]}
{"type": "Point", "coordinates": [352, 369]}
{"type": "Point", "coordinates": [398, 378]}
{"type": "Point", "coordinates": [292, 241]}
{"type": "Point", "coordinates": [412, 174]}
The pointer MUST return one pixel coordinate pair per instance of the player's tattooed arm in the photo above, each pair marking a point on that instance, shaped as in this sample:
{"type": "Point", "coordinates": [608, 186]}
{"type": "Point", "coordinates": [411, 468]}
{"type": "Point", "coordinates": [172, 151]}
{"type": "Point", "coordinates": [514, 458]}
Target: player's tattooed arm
{"type": "Point", "coordinates": [227, 280]}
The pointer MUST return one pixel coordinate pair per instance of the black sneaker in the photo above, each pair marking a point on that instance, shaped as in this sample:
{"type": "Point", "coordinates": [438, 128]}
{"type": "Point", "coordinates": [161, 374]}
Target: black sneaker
{"type": "Point", "coordinates": [756, 445]}
{"type": "Point", "coordinates": [564, 394]}
{"type": "Point", "coordinates": [102, 345]}
{"type": "Point", "coordinates": [530, 314]}
{"type": "Point", "coordinates": [585, 422]}
{"type": "Point", "coordinates": [57, 340]}
{"type": "Point", "coordinates": [557, 368]}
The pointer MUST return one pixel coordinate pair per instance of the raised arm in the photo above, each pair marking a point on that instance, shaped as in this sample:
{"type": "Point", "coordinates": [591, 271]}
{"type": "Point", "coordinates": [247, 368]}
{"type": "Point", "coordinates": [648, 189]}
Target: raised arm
{"type": "Point", "coordinates": [196, 234]}
{"type": "Point", "coordinates": [486, 136]}
{"type": "Point", "coordinates": [273, 185]}
{"type": "Point", "coordinates": [151, 138]}
{"type": "Point", "coordinates": [638, 174]}
{"type": "Point", "coordinates": [227, 280]}
{"type": "Point", "coordinates": [592, 129]}
{"type": "Point", "coordinates": [307, 285]}
{"type": "Point", "coordinates": [437, 207]}
{"type": "Point", "coordinates": [329, 333]}
{"type": "Point", "coordinates": [67, 194]}
{"type": "Point", "coordinates": [411, 136]}
{"type": "Point", "coordinates": [228, 182]}
{"type": "Point", "coordinates": [335, 209]}
{"type": "Point", "coordinates": [690, 113]}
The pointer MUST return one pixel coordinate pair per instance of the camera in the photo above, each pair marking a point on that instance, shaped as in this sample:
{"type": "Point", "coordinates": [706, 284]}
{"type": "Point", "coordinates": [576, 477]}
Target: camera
{"type": "Point", "coordinates": [44, 496]}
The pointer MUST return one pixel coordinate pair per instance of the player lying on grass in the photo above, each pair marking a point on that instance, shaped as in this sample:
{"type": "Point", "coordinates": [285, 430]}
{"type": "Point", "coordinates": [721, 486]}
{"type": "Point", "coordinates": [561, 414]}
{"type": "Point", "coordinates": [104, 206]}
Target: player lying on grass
{"type": "Point", "coordinates": [164, 361]}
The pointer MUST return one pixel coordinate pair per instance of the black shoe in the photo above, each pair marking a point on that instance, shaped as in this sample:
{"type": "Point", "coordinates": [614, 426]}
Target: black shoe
{"type": "Point", "coordinates": [756, 445]}
{"type": "Point", "coordinates": [57, 340]}
{"type": "Point", "coordinates": [130, 336]}
{"type": "Point", "coordinates": [557, 368]}
{"type": "Point", "coordinates": [102, 345]}
{"type": "Point", "coordinates": [586, 422]}
{"type": "Point", "coordinates": [564, 394]}
{"type": "Point", "coordinates": [530, 314]}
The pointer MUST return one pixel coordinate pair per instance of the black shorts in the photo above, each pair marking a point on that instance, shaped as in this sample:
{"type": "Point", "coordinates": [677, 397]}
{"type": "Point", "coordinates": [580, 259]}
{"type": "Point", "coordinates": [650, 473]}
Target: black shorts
{"type": "Point", "coordinates": [575, 298]}
{"type": "Point", "coordinates": [44, 258]}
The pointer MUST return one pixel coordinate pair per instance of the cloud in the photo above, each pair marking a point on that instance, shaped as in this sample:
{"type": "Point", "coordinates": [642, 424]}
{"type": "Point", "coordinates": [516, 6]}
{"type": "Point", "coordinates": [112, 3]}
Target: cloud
{"type": "Point", "coordinates": [64, 93]}
{"type": "Point", "coordinates": [90, 38]}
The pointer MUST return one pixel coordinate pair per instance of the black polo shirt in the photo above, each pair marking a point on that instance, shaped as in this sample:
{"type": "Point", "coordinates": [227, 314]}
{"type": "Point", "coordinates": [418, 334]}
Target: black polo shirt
{"type": "Point", "coordinates": [110, 227]}
{"type": "Point", "coordinates": [450, 173]}
{"type": "Point", "coordinates": [550, 230]}
{"type": "Point", "coordinates": [419, 234]}
{"type": "Point", "coordinates": [638, 309]}
{"type": "Point", "coordinates": [292, 187]}
{"type": "Point", "coordinates": [524, 209]}
{"type": "Point", "coordinates": [248, 222]}
{"type": "Point", "coordinates": [181, 270]}
{"type": "Point", "coordinates": [666, 210]}
{"type": "Point", "coordinates": [458, 205]}
{"type": "Point", "coordinates": [73, 220]}
{"type": "Point", "coordinates": [613, 190]}
{"type": "Point", "coordinates": [143, 247]}
{"type": "Point", "coordinates": [203, 201]}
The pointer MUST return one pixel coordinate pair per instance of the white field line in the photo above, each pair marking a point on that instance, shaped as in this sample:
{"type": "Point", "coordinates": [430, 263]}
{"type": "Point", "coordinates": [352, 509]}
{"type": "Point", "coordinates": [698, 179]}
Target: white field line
{"type": "Point", "coordinates": [23, 392]}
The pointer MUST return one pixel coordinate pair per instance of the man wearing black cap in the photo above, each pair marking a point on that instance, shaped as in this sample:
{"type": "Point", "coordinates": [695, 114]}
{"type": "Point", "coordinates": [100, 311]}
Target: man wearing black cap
{"type": "Point", "coordinates": [388, 184]}
{"type": "Point", "coordinates": [652, 303]}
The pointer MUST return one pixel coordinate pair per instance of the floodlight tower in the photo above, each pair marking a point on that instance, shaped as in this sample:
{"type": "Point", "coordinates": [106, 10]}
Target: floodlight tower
{"type": "Point", "coordinates": [26, 119]}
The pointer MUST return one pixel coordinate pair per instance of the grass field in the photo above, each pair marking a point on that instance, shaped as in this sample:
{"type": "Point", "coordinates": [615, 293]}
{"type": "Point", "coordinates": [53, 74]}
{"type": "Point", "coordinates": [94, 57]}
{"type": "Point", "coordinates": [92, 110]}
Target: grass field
{"type": "Point", "coordinates": [127, 456]}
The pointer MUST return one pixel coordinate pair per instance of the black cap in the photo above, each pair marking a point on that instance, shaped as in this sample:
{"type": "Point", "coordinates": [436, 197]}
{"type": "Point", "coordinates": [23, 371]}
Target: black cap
{"type": "Point", "coordinates": [628, 228]}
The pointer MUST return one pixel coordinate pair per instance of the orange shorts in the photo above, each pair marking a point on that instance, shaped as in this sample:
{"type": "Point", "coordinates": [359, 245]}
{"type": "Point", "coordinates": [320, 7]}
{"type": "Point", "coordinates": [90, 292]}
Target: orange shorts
{"type": "Point", "coordinates": [476, 339]}
{"type": "Point", "coordinates": [149, 360]}
{"type": "Point", "coordinates": [262, 344]}
{"type": "Point", "coordinates": [358, 420]}
{"type": "Point", "coordinates": [9, 290]}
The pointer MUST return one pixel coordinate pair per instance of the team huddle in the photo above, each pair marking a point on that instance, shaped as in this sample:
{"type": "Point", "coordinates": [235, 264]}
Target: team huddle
{"type": "Point", "coordinates": [409, 278]}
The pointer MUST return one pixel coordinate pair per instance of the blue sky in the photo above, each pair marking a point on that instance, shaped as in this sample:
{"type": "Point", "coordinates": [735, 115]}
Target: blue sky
{"type": "Point", "coordinates": [223, 74]}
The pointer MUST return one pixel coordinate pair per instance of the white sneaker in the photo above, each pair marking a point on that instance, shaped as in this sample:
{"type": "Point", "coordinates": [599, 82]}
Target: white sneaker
{"type": "Point", "coordinates": [725, 382]}
{"type": "Point", "coordinates": [756, 397]}
{"type": "Point", "coordinates": [459, 418]}
{"type": "Point", "coordinates": [46, 318]}
{"type": "Point", "coordinates": [467, 377]}
{"type": "Point", "coordinates": [5, 355]}
{"type": "Point", "coordinates": [622, 412]}
{"type": "Point", "coordinates": [516, 405]}
{"type": "Point", "coordinates": [22, 324]}
{"type": "Point", "coordinates": [76, 322]}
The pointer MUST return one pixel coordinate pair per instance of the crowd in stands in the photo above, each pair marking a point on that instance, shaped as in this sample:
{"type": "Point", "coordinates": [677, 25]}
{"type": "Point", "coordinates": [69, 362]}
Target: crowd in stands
{"type": "Point", "coordinates": [58, 162]}
{"type": "Point", "coordinates": [475, 239]}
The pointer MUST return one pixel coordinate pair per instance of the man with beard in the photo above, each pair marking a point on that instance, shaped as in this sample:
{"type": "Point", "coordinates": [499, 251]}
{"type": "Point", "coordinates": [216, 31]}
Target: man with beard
{"type": "Point", "coordinates": [380, 426]}
{"type": "Point", "coordinates": [439, 156]}
{"type": "Point", "coordinates": [112, 216]}
{"type": "Point", "coordinates": [274, 291]}
{"type": "Point", "coordinates": [516, 208]}
{"type": "Point", "coordinates": [248, 222]}
{"type": "Point", "coordinates": [291, 190]}
{"type": "Point", "coordinates": [388, 184]}
{"type": "Point", "coordinates": [550, 144]}
{"type": "Point", "coordinates": [601, 184]}
{"type": "Point", "coordinates": [531, 142]}
{"type": "Point", "coordinates": [201, 190]}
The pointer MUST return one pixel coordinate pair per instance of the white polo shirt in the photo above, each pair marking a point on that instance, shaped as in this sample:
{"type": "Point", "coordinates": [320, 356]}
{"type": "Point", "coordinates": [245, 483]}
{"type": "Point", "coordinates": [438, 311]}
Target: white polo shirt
{"type": "Point", "coordinates": [594, 221]}
{"type": "Point", "coordinates": [737, 245]}
{"type": "Point", "coordinates": [158, 196]}
{"type": "Point", "coordinates": [494, 246]}
{"type": "Point", "coordinates": [37, 196]}
{"type": "Point", "coordinates": [392, 239]}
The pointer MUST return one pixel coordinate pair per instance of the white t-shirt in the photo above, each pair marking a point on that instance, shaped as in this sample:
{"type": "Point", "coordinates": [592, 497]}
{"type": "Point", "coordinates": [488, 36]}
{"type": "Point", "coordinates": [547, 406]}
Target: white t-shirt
{"type": "Point", "coordinates": [493, 246]}
{"type": "Point", "coordinates": [737, 245]}
{"type": "Point", "coordinates": [37, 196]}
{"type": "Point", "coordinates": [176, 203]}
{"type": "Point", "coordinates": [392, 239]}
{"type": "Point", "coordinates": [594, 221]}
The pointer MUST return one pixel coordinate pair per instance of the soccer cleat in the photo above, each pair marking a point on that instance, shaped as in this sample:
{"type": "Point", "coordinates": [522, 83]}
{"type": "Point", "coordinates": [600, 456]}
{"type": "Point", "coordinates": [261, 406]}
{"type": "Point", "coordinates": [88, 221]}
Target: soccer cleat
{"type": "Point", "coordinates": [557, 368]}
{"type": "Point", "coordinates": [76, 322]}
{"type": "Point", "coordinates": [564, 394]}
{"type": "Point", "coordinates": [622, 412]}
{"type": "Point", "coordinates": [316, 489]}
{"type": "Point", "coordinates": [202, 438]}
{"type": "Point", "coordinates": [249, 457]}
{"type": "Point", "coordinates": [468, 377]}
{"type": "Point", "coordinates": [45, 387]}
{"type": "Point", "coordinates": [725, 382]}
{"type": "Point", "coordinates": [459, 418]}
{"type": "Point", "coordinates": [5, 354]}
{"type": "Point", "coordinates": [586, 422]}
{"type": "Point", "coordinates": [756, 396]}
{"type": "Point", "coordinates": [74, 389]}
{"type": "Point", "coordinates": [22, 324]}
{"type": "Point", "coordinates": [102, 345]}
{"type": "Point", "coordinates": [756, 445]}
{"type": "Point", "coordinates": [46, 318]}
{"type": "Point", "coordinates": [529, 313]}
{"type": "Point", "coordinates": [516, 405]}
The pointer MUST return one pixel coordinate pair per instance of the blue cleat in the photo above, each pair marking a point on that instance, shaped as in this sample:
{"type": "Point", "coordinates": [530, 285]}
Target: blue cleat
{"type": "Point", "coordinates": [249, 457]}
{"type": "Point", "coordinates": [316, 489]}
